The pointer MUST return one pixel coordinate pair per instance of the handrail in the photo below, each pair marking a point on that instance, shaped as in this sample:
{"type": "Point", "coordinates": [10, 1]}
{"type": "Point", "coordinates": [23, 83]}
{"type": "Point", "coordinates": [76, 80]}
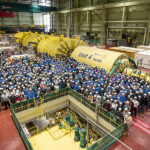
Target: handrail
{"type": "Point", "coordinates": [20, 130]}
{"type": "Point", "coordinates": [106, 141]}
{"type": "Point", "coordinates": [52, 96]}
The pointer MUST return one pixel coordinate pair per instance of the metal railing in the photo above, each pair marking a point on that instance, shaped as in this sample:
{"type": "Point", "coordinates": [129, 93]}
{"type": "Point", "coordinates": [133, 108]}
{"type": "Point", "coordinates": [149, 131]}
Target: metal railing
{"type": "Point", "coordinates": [111, 118]}
{"type": "Point", "coordinates": [62, 92]}
{"type": "Point", "coordinates": [20, 130]}
{"type": "Point", "coordinates": [103, 143]}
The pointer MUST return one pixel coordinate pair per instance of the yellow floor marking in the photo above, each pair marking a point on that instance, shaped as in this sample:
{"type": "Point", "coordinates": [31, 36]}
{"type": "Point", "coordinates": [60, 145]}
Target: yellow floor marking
{"type": "Point", "coordinates": [44, 141]}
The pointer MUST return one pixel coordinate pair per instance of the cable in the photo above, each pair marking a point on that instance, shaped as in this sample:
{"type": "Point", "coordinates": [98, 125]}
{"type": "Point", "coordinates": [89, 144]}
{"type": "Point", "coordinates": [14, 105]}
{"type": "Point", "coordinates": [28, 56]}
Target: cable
{"type": "Point", "coordinates": [110, 134]}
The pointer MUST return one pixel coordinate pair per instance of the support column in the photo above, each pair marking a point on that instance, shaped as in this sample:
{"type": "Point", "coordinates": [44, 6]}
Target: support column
{"type": "Point", "coordinates": [89, 18]}
{"type": "Point", "coordinates": [89, 21]}
{"type": "Point", "coordinates": [65, 22]}
{"type": "Point", "coordinates": [103, 27]}
{"type": "Point", "coordinates": [124, 18]}
{"type": "Point", "coordinates": [69, 19]}
{"type": "Point", "coordinates": [57, 18]}
{"type": "Point", "coordinates": [32, 17]}
{"type": "Point", "coordinates": [57, 23]}
{"type": "Point", "coordinates": [148, 32]}
{"type": "Point", "coordinates": [76, 30]}
{"type": "Point", "coordinates": [75, 23]}
{"type": "Point", "coordinates": [18, 16]}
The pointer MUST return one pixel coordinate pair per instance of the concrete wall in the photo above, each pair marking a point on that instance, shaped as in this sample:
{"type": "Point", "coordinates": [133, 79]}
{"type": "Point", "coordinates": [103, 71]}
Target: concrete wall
{"type": "Point", "coordinates": [30, 114]}
{"type": "Point", "coordinates": [90, 114]}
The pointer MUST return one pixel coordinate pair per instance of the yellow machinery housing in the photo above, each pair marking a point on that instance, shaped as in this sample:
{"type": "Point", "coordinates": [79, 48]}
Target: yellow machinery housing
{"type": "Point", "coordinates": [25, 38]}
{"type": "Point", "coordinates": [51, 45]}
{"type": "Point", "coordinates": [128, 71]}
{"type": "Point", "coordinates": [137, 73]}
{"type": "Point", "coordinates": [20, 35]}
{"type": "Point", "coordinates": [56, 46]}
{"type": "Point", "coordinates": [33, 38]}
{"type": "Point", "coordinates": [110, 61]}
{"type": "Point", "coordinates": [147, 79]}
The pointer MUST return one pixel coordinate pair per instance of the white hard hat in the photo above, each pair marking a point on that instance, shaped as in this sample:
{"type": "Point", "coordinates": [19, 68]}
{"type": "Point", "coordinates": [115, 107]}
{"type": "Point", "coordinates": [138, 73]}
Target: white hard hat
{"type": "Point", "coordinates": [125, 109]}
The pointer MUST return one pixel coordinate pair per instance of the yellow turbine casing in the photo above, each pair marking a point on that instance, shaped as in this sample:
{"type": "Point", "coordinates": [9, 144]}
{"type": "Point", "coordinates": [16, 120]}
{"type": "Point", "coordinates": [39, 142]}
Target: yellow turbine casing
{"type": "Point", "coordinates": [32, 38]}
{"type": "Point", "coordinates": [20, 35]}
{"type": "Point", "coordinates": [97, 57]}
{"type": "Point", "coordinates": [58, 45]}
{"type": "Point", "coordinates": [143, 75]}
{"type": "Point", "coordinates": [128, 71]}
{"type": "Point", "coordinates": [147, 79]}
{"type": "Point", "coordinates": [139, 74]}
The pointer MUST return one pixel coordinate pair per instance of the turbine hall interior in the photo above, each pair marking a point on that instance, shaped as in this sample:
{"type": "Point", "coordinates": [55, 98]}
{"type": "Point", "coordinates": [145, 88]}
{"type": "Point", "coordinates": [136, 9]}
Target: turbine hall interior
{"type": "Point", "coordinates": [74, 75]}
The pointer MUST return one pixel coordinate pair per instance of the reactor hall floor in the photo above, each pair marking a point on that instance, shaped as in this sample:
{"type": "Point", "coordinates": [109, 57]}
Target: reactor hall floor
{"type": "Point", "coordinates": [10, 140]}
{"type": "Point", "coordinates": [45, 140]}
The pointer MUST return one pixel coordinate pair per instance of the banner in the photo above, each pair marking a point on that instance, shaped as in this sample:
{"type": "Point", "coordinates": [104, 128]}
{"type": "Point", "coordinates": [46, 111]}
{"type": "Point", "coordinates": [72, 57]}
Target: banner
{"type": "Point", "coordinates": [18, 7]}
{"type": "Point", "coordinates": [6, 14]}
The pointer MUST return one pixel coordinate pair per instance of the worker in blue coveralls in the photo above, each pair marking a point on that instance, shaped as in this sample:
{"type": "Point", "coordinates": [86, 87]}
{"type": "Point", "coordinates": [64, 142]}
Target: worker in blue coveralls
{"type": "Point", "coordinates": [30, 94]}
{"type": "Point", "coordinates": [28, 76]}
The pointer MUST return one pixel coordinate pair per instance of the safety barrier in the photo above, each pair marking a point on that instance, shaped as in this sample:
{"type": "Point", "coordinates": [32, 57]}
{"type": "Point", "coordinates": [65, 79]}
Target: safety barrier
{"type": "Point", "coordinates": [110, 117]}
{"type": "Point", "coordinates": [20, 130]}
{"type": "Point", "coordinates": [17, 107]}
{"type": "Point", "coordinates": [103, 143]}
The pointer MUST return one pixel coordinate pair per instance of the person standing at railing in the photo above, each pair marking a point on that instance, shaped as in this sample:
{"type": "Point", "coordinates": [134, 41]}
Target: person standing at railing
{"type": "Point", "coordinates": [90, 98]}
{"type": "Point", "coordinates": [86, 93]}
{"type": "Point", "coordinates": [136, 105]}
{"type": "Point", "coordinates": [127, 123]}
{"type": "Point", "coordinates": [119, 114]}
{"type": "Point", "coordinates": [125, 112]}
{"type": "Point", "coordinates": [30, 94]}
{"type": "Point", "coordinates": [5, 99]}
{"type": "Point", "coordinates": [107, 105]}
{"type": "Point", "coordinates": [68, 83]}
{"type": "Point", "coordinates": [23, 97]}
{"type": "Point", "coordinates": [96, 98]}
{"type": "Point", "coordinates": [141, 105]}
{"type": "Point", "coordinates": [12, 98]}
{"type": "Point", "coordinates": [56, 87]}
{"type": "Point", "coordinates": [145, 101]}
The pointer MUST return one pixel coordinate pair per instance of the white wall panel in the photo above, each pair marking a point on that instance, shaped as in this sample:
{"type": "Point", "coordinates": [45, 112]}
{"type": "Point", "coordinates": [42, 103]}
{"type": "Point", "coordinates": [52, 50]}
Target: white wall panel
{"type": "Point", "coordinates": [25, 18]}
{"type": "Point", "coordinates": [38, 18]}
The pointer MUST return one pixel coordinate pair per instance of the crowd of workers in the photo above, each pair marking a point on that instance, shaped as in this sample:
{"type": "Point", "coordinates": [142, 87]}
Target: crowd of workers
{"type": "Point", "coordinates": [26, 78]}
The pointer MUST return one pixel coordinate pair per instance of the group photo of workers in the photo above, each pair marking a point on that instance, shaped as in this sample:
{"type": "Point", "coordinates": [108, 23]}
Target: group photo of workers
{"type": "Point", "coordinates": [27, 78]}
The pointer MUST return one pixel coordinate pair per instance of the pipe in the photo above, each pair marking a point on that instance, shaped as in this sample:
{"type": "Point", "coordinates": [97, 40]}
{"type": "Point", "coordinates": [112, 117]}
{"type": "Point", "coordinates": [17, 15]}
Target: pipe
{"type": "Point", "coordinates": [106, 6]}
{"type": "Point", "coordinates": [133, 21]}
{"type": "Point", "coordinates": [145, 35]}
{"type": "Point", "coordinates": [110, 134]}
{"type": "Point", "coordinates": [69, 18]}
{"type": "Point", "coordinates": [140, 28]}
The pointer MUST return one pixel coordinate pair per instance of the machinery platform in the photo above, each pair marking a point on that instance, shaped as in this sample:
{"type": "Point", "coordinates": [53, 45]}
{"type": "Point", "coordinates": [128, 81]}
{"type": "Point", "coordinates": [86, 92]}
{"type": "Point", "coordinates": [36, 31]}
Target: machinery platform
{"type": "Point", "coordinates": [44, 140]}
